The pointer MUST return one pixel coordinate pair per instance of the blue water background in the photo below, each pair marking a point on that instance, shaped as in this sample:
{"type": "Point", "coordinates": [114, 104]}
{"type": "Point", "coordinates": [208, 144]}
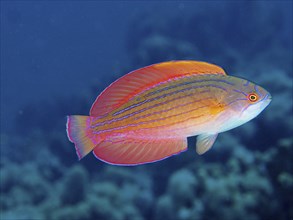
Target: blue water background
{"type": "Point", "coordinates": [56, 57]}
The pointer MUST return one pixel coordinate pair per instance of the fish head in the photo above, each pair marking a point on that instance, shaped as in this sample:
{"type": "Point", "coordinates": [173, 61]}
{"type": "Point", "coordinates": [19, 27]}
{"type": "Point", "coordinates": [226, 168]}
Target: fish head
{"type": "Point", "coordinates": [245, 101]}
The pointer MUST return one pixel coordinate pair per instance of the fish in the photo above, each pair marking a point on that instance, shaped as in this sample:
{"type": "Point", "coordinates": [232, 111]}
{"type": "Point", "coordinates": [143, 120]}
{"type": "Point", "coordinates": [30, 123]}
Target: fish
{"type": "Point", "coordinates": [146, 115]}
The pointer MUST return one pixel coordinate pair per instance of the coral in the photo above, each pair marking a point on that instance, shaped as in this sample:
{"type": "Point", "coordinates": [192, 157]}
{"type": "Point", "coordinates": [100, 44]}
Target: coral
{"type": "Point", "coordinates": [181, 187]}
{"type": "Point", "coordinates": [279, 164]}
{"type": "Point", "coordinates": [237, 186]}
{"type": "Point", "coordinates": [179, 202]}
{"type": "Point", "coordinates": [22, 212]}
{"type": "Point", "coordinates": [73, 196]}
{"type": "Point", "coordinates": [74, 185]}
{"type": "Point", "coordinates": [22, 187]}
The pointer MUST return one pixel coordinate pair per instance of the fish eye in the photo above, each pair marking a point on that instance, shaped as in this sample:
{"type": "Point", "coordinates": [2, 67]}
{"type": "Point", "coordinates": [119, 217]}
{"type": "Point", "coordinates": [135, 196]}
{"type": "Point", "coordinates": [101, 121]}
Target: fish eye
{"type": "Point", "coordinates": [253, 97]}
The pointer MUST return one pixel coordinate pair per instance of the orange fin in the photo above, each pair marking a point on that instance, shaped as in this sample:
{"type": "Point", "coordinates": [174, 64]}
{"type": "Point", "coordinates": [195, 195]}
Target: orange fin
{"type": "Point", "coordinates": [79, 133]}
{"type": "Point", "coordinates": [137, 81]}
{"type": "Point", "coordinates": [132, 151]}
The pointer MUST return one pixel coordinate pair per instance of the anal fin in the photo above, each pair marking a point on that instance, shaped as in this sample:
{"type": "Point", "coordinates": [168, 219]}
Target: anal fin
{"type": "Point", "coordinates": [133, 151]}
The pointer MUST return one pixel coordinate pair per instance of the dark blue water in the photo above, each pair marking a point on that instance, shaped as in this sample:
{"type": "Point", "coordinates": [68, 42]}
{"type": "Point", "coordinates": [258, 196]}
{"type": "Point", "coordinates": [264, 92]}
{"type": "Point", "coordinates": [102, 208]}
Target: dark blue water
{"type": "Point", "coordinates": [56, 57]}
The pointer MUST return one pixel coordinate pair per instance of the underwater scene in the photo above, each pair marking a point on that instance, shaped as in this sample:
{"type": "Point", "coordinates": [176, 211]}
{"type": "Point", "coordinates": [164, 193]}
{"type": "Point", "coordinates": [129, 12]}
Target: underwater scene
{"type": "Point", "coordinates": [58, 56]}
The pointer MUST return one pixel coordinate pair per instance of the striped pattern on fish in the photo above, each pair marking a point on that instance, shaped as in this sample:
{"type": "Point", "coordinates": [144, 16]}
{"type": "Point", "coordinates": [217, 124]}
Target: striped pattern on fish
{"type": "Point", "coordinates": [159, 106]}
{"type": "Point", "coordinates": [164, 105]}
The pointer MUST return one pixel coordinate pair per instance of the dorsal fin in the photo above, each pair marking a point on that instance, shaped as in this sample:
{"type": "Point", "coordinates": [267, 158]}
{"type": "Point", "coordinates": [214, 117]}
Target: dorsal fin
{"type": "Point", "coordinates": [129, 85]}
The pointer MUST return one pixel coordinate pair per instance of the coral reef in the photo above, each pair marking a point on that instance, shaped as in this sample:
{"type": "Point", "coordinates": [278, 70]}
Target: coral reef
{"type": "Point", "coordinates": [238, 186]}
{"type": "Point", "coordinates": [72, 196]}
{"type": "Point", "coordinates": [241, 184]}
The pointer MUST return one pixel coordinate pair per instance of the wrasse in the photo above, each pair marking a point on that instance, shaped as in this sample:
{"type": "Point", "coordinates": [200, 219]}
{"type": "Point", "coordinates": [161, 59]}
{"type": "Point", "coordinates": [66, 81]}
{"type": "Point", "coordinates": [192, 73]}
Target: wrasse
{"type": "Point", "coordinates": [147, 114]}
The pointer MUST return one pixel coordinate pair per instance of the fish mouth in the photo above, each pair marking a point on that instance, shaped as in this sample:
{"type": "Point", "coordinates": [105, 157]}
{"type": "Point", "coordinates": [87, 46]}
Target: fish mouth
{"type": "Point", "coordinates": [267, 98]}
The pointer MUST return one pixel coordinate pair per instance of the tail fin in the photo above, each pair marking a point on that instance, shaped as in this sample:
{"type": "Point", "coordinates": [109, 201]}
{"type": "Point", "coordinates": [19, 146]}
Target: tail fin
{"type": "Point", "coordinates": [79, 132]}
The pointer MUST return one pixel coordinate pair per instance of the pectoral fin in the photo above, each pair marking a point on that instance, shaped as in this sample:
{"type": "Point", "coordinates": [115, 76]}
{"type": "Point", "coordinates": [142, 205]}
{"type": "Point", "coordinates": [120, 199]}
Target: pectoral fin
{"type": "Point", "coordinates": [204, 142]}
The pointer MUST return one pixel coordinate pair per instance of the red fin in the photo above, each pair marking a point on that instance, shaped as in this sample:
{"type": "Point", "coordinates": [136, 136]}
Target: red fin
{"type": "Point", "coordinates": [131, 151]}
{"type": "Point", "coordinates": [136, 81]}
{"type": "Point", "coordinates": [79, 133]}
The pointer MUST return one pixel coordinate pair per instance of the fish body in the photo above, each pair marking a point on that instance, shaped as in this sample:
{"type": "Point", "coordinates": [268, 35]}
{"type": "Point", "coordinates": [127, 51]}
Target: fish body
{"type": "Point", "coordinates": [147, 115]}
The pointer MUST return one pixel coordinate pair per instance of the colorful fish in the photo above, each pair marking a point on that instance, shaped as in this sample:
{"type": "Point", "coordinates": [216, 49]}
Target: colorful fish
{"type": "Point", "coordinates": [147, 115]}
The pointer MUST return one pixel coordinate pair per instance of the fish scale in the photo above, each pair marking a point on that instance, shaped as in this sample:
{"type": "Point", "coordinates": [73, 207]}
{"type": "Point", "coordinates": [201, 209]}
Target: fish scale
{"type": "Point", "coordinates": [186, 94]}
{"type": "Point", "coordinates": [147, 115]}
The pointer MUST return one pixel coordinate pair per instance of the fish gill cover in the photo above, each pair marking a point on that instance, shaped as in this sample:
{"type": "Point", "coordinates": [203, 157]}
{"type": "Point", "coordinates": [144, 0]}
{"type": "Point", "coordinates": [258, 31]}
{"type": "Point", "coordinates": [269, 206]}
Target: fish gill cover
{"type": "Point", "coordinates": [248, 174]}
